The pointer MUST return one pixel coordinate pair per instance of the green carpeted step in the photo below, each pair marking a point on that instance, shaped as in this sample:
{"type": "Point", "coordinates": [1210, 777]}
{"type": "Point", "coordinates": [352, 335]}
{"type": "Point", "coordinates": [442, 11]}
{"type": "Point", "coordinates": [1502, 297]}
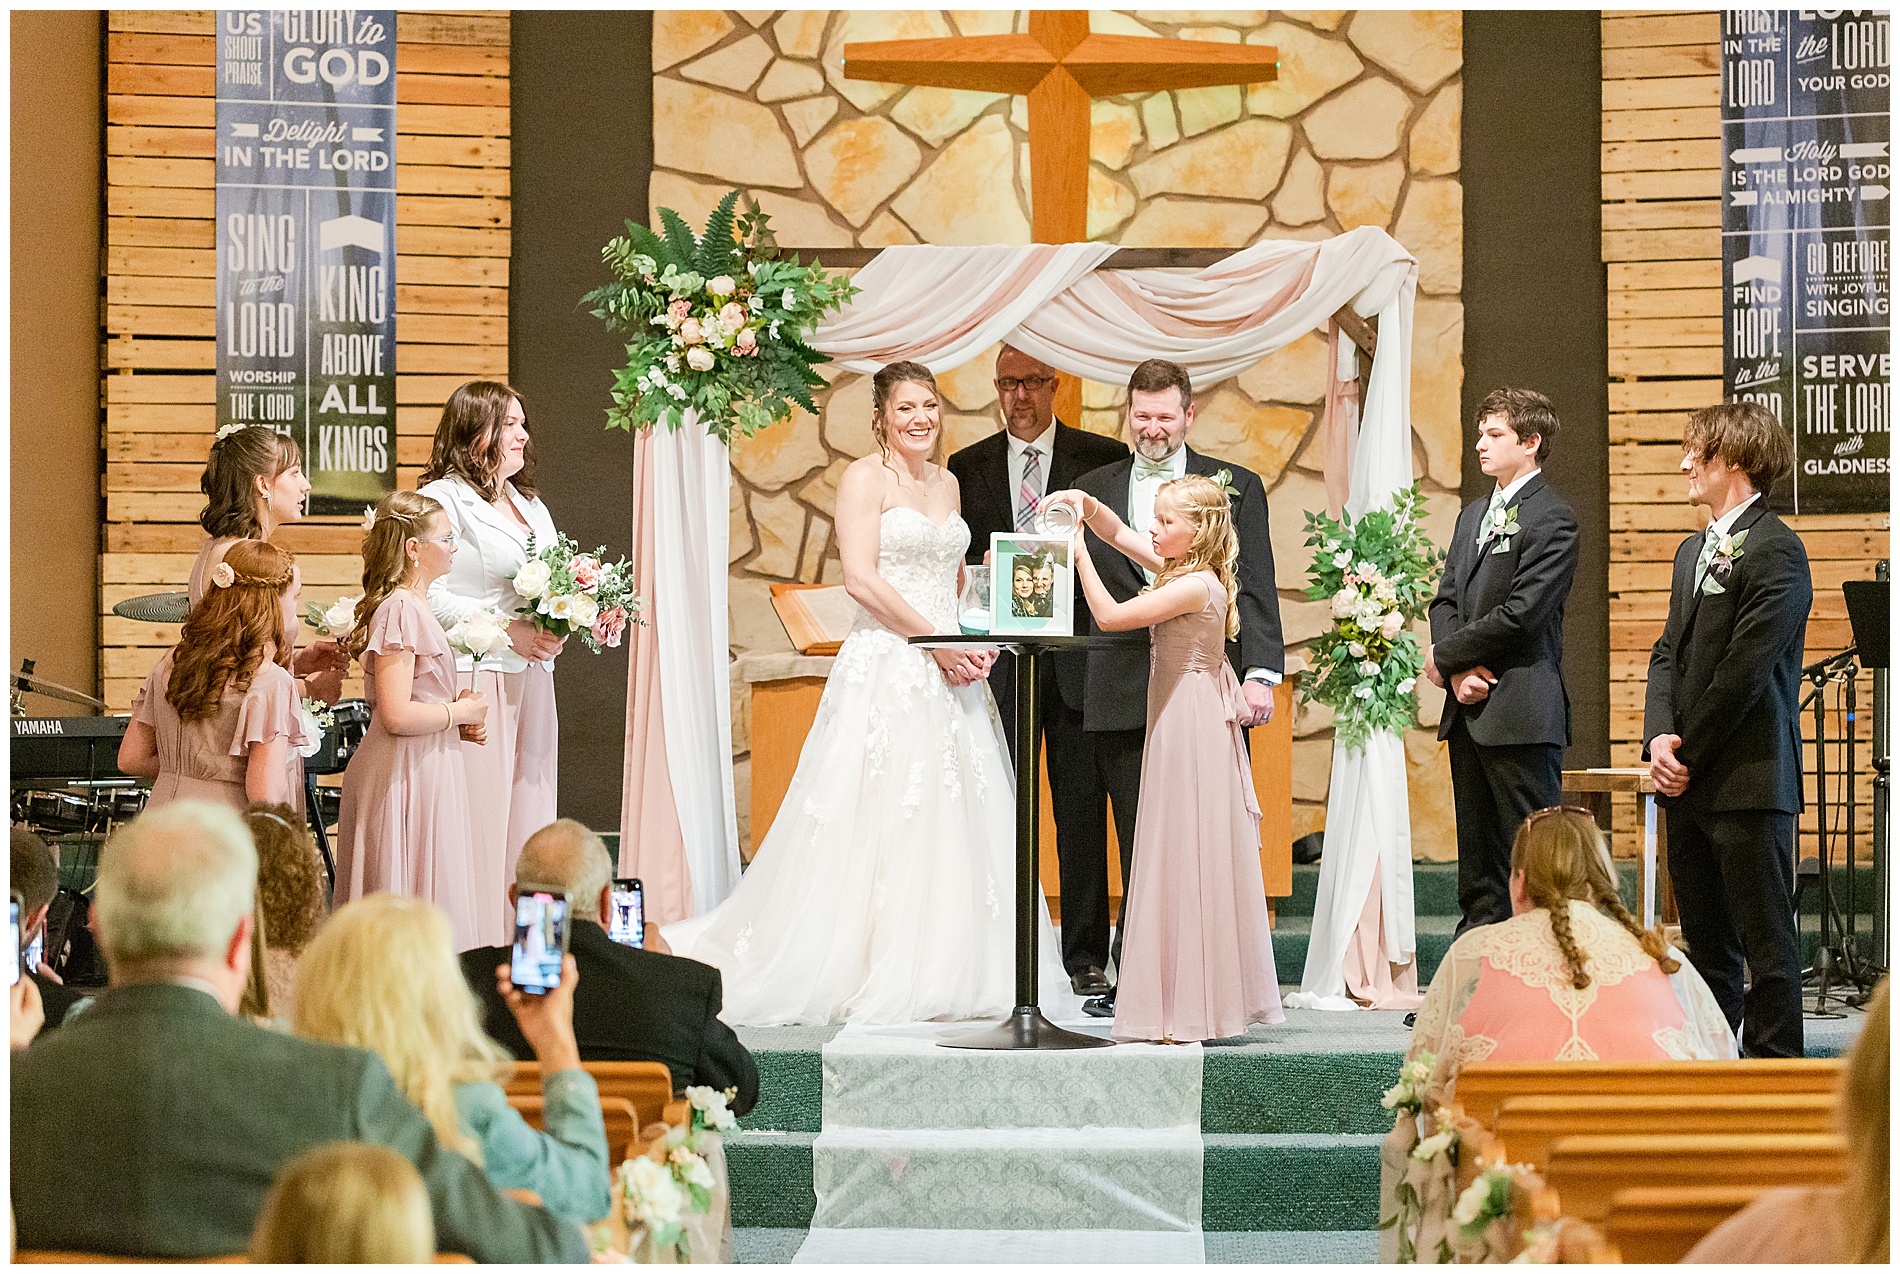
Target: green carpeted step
{"type": "Point", "coordinates": [1245, 1092]}
{"type": "Point", "coordinates": [791, 1090]}
{"type": "Point", "coordinates": [771, 1178]}
{"type": "Point", "coordinates": [1290, 1181]}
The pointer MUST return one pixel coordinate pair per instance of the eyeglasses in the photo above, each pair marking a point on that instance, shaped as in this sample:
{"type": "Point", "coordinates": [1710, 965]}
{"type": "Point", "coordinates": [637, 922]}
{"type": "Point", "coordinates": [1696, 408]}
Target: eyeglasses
{"type": "Point", "coordinates": [1561, 809]}
{"type": "Point", "coordinates": [1034, 384]}
{"type": "Point", "coordinates": [436, 539]}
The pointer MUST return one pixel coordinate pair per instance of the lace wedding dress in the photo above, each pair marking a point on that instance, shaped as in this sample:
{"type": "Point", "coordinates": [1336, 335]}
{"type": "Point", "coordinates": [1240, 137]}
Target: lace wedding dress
{"type": "Point", "coordinates": [883, 891]}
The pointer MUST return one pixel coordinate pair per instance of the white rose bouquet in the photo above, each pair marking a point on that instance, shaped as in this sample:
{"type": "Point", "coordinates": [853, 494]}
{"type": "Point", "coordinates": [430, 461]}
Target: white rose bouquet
{"type": "Point", "coordinates": [1378, 574]}
{"type": "Point", "coordinates": [569, 593]}
{"type": "Point", "coordinates": [335, 621]}
{"type": "Point", "coordinates": [714, 323]}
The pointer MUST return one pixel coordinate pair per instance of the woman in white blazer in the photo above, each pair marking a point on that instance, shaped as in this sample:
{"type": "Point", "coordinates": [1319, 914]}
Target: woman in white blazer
{"type": "Point", "coordinates": [482, 474]}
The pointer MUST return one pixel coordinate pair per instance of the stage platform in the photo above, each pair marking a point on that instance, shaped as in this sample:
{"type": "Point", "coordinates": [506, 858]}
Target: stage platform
{"type": "Point", "coordinates": [1288, 1128]}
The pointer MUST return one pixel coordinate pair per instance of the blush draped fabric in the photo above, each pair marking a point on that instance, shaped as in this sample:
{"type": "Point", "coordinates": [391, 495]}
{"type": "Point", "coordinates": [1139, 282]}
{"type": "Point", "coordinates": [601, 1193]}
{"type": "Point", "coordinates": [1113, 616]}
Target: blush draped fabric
{"type": "Point", "coordinates": [942, 306]}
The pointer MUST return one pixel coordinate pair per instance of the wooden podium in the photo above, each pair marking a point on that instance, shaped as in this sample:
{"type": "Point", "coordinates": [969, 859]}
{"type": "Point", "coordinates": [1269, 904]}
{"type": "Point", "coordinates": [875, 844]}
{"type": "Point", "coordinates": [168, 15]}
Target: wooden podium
{"type": "Point", "coordinates": [785, 694]}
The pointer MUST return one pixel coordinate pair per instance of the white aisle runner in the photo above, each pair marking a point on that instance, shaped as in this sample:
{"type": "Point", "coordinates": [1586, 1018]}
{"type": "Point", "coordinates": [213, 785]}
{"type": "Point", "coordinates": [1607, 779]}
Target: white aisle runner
{"type": "Point", "coordinates": [931, 1154]}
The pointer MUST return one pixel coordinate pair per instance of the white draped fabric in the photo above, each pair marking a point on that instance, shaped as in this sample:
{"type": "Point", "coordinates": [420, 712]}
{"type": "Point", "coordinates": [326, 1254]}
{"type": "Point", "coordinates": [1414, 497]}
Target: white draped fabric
{"type": "Point", "coordinates": [692, 473]}
{"type": "Point", "coordinates": [942, 306]}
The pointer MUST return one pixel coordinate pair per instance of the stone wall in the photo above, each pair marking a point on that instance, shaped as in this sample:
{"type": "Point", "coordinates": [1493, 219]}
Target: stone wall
{"type": "Point", "coordinates": [1362, 128]}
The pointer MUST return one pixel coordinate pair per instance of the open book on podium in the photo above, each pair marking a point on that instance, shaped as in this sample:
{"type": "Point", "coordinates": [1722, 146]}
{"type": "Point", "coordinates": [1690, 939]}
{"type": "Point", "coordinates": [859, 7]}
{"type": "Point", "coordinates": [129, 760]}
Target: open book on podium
{"type": "Point", "coordinates": [817, 617]}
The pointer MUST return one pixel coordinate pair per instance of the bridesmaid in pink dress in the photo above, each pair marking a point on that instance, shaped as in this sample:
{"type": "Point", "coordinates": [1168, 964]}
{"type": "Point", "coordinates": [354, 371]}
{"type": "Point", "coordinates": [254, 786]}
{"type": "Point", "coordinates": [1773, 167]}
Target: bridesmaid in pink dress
{"type": "Point", "coordinates": [404, 827]}
{"type": "Point", "coordinates": [217, 718]}
{"type": "Point", "coordinates": [254, 483]}
{"type": "Point", "coordinates": [1197, 962]}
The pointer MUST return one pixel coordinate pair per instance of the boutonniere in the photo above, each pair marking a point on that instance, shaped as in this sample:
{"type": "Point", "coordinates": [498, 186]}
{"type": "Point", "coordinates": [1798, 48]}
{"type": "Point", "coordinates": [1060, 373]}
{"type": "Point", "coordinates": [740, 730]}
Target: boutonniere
{"type": "Point", "coordinates": [1224, 479]}
{"type": "Point", "coordinates": [1501, 526]}
{"type": "Point", "coordinates": [1728, 549]}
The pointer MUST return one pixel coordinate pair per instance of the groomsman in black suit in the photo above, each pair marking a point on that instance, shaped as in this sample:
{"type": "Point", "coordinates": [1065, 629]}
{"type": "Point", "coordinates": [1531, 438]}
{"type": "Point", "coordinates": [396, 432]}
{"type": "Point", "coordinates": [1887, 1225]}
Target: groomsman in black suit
{"type": "Point", "coordinates": [1721, 721]}
{"type": "Point", "coordinates": [1002, 479]}
{"type": "Point", "coordinates": [1498, 648]}
{"type": "Point", "coordinates": [1103, 703]}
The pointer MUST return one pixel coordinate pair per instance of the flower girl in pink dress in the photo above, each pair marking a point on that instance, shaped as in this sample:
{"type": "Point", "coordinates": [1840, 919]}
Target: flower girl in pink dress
{"type": "Point", "coordinates": [404, 825]}
{"type": "Point", "coordinates": [1197, 958]}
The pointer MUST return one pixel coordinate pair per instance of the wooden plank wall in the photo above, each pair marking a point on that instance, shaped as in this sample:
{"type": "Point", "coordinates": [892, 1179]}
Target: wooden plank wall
{"type": "Point", "coordinates": [158, 309]}
{"type": "Point", "coordinates": [1662, 170]}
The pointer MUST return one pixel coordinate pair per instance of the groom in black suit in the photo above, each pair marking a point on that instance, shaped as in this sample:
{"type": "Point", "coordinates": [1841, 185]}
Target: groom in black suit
{"type": "Point", "coordinates": [1002, 480]}
{"type": "Point", "coordinates": [1498, 648]}
{"type": "Point", "coordinates": [1103, 703]}
{"type": "Point", "coordinates": [1722, 727]}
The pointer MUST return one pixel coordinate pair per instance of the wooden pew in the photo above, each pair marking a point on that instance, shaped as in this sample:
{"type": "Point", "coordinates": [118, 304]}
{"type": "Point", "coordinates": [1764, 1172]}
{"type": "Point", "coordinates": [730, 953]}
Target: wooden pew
{"type": "Point", "coordinates": [647, 1085]}
{"type": "Point", "coordinates": [1529, 1126]}
{"type": "Point", "coordinates": [1587, 1171]}
{"type": "Point", "coordinates": [1659, 1224]}
{"type": "Point", "coordinates": [1482, 1087]}
{"type": "Point", "coordinates": [622, 1121]}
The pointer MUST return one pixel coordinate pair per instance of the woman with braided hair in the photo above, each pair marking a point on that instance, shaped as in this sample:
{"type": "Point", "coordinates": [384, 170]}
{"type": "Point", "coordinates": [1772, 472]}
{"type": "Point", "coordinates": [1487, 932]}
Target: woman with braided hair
{"type": "Point", "coordinates": [1570, 976]}
{"type": "Point", "coordinates": [217, 718]}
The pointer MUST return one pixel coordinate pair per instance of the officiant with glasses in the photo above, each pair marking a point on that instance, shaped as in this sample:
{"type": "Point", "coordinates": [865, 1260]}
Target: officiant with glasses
{"type": "Point", "coordinates": [1003, 479]}
{"type": "Point", "coordinates": [1102, 694]}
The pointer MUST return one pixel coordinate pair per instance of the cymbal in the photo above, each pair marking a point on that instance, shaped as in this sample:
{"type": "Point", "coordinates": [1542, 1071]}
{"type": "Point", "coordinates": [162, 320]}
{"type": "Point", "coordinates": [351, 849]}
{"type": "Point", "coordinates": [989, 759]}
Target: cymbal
{"type": "Point", "coordinates": [26, 683]}
{"type": "Point", "coordinates": [155, 608]}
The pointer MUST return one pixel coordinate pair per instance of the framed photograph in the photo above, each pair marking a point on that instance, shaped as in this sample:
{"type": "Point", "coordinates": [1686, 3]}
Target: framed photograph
{"type": "Point", "coordinates": [1032, 585]}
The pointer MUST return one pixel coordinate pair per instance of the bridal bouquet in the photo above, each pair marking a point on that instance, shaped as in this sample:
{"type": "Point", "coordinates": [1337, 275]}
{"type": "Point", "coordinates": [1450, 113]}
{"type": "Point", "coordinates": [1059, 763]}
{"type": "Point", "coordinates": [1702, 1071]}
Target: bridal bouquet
{"type": "Point", "coordinates": [715, 323]}
{"type": "Point", "coordinates": [1379, 573]}
{"type": "Point", "coordinates": [569, 593]}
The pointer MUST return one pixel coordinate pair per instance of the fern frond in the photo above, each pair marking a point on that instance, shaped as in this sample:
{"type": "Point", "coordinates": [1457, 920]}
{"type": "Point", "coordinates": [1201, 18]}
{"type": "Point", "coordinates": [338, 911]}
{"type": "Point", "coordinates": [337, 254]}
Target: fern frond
{"type": "Point", "coordinates": [716, 247]}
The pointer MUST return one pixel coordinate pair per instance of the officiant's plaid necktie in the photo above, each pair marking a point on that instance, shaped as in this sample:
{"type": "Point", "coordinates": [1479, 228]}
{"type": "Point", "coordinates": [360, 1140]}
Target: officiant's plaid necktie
{"type": "Point", "coordinates": [1029, 495]}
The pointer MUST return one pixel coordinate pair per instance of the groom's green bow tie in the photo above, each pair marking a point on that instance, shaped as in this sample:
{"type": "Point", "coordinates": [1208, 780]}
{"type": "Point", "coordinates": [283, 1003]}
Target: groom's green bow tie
{"type": "Point", "coordinates": [1146, 468]}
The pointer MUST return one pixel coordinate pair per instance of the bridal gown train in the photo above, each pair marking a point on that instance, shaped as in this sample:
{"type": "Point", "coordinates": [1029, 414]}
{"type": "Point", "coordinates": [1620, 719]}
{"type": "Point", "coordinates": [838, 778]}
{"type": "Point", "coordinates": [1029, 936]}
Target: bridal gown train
{"type": "Point", "coordinates": [883, 892]}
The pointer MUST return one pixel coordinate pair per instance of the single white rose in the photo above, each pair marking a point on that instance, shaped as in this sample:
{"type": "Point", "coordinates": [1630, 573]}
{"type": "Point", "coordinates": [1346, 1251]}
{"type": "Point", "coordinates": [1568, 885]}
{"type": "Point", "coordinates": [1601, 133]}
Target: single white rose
{"type": "Point", "coordinates": [1344, 601]}
{"type": "Point", "coordinates": [699, 358]}
{"type": "Point", "coordinates": [532, 579]}
{"type": "Point", "coordinates": [1391, 625]}
{"type": "Point", "coordinates": [721, 285]}
{"type": "Point", "coordinates": [584, 611]}
{"type": "Point", "coordinates": [341, 617]}
{"type": "Point", "coordinates": [1356, 649]}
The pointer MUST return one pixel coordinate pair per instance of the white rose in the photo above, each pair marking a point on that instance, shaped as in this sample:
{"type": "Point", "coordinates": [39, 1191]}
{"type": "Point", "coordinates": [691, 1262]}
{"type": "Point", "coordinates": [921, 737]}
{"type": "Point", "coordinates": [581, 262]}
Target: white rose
{"type": "Point", "coordinates": [532, 580]}
{"type": "Point", "coordinates": [1344, 601]}
{"type": "Point", "coordinates": [652, 1194]}
{"type": "Point", "coordinates": [699, 358]}
{"type": "Point", "coordinates": [1357, 650]}
{"type": "Point", "coordinates": [585, 611]}
{"type": "Point", "coordinates": [1391, 625]}
{"type": "Point", "coordinates": [341, 617]}
{"type": "Point", "coordinates": [721, 285]}
{"type": "Point", "coordinates": [483, 633]}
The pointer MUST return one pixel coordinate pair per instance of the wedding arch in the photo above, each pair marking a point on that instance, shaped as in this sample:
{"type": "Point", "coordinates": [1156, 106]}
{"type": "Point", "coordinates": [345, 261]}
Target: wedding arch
{"type": "Point", "coordinates": [942, 306]}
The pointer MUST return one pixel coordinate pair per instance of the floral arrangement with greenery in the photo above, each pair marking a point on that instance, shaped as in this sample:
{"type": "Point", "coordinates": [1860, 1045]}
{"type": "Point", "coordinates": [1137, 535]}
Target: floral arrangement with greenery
{"type": "Point", "coordinates": [715, 323]}
{"type": "Point", "coordinates": [1379, 571]}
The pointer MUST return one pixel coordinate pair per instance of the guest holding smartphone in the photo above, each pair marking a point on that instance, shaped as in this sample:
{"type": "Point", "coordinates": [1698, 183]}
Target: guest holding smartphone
{"type": "Point", "coordinates": [481, 473]}
{"type": "Point", "coordinates": [405, 824]}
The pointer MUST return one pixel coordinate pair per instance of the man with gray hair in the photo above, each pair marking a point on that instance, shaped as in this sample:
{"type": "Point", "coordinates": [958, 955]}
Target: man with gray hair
{"type": "Point", "coordinates": [630, 1005]}
{"type": "Point", "coordinates": [153, 1124]}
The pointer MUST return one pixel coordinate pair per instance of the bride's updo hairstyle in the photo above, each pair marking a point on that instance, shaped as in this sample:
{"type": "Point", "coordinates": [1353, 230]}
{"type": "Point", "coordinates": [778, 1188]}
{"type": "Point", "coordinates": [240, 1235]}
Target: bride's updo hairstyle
{"type": "Point", "coordinates": [1561, 854]}
{"type": "Point", "coordinates": [1203, 503]}
{"type": "Point", "coordinates": [883, 385]}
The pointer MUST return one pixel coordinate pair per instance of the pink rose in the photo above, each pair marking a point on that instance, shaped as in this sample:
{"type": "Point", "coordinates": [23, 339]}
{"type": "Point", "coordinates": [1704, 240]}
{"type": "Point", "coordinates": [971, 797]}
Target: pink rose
{"type": "Point", "coordinates": [677, 312]}
{"type": "Point", "coordinates": [747, 342]}
{"type": "Point", "coordinates": [586, 572]}
{"type": "Point", "coordinates": [732, 316]}
{"type": "Point", "coordinates": [608, 625]}
{"type": "Point", "coordinates": [690, 333]}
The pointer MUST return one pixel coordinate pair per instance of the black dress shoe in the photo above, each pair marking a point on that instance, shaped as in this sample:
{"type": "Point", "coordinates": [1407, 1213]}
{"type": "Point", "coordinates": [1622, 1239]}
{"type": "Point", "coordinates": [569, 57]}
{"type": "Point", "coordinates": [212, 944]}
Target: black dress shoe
{"type": "Point", "coordinates": [1090, 981]}
{"type": "Point", "coordinates": [1100, 1006]}
{"type": "Point", "coordinates": [1411, 1020]}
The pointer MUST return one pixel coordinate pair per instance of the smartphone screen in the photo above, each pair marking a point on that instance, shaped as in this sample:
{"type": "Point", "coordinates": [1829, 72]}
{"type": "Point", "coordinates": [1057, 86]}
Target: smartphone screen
{"type": "Point", "coordinates": [35, 952]}
{"type": "Point", "coordinates": [13, 940]}
{"type": "Point", "coordinates": [540, 940]}
{"type": "Point", "coordinates": [629, 924]}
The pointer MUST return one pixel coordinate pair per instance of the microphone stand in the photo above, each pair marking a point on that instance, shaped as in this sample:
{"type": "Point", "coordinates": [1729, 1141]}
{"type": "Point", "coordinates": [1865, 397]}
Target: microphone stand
{"type": "Point", "coordinates": [1827, 959]}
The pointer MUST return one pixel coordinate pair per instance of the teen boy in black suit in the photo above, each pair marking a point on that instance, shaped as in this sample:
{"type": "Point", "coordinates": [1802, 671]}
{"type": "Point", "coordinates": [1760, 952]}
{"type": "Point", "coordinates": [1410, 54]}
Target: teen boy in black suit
{"type": "Point", "coordinates": [1498, 648]}
{"type": "Point", "coordinates": [1721, 721]}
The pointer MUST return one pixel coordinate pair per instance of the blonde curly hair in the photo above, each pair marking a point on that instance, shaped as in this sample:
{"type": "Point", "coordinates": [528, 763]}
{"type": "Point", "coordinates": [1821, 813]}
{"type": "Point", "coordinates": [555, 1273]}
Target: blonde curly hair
{"type": "Point", "coordinates": [1203, 503]}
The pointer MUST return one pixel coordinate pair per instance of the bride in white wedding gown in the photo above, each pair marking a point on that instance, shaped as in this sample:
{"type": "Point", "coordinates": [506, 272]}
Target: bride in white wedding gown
{"type": "Point", "coordinates": [883, 892]}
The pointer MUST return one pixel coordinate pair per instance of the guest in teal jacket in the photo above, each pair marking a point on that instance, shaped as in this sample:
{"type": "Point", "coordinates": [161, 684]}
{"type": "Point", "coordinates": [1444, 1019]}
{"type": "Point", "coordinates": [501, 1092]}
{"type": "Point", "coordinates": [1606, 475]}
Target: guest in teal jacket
{"type": "Point", "coordinates": [382, 975]}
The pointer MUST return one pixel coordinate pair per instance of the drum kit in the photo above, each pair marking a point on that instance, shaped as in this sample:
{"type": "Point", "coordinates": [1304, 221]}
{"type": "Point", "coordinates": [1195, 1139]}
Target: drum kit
{"type": "Point", "coordinates": [63, 770]}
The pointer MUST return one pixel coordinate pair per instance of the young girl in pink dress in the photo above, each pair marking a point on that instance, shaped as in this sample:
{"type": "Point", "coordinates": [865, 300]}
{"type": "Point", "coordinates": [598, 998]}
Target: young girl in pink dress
{"type": "Point", "coordinates": [404, 825]}
{"type": "Point", "coordinates": [1197, 961]}
{"type": "Point", "coordinates": [217, 718]}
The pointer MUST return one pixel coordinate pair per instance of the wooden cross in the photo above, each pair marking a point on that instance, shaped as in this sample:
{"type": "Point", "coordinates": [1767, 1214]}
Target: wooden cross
{"type": "Point", "coordinates": [1060, 65]}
